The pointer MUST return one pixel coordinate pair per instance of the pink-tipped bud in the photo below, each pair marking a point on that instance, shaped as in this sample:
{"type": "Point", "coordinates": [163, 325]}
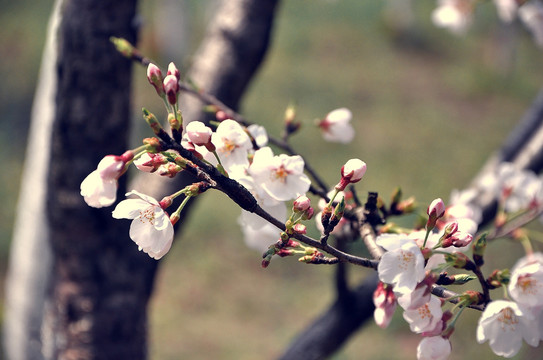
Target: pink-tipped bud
{"type": "Point", "coordinates": [171, 88]}
{"type": "Point", "coordinates": [174, 218]}
{"type": "Point", "coordinates": [154, 75]}
{"type": "Point", "coordinates": [221, 116]}
{"type": "Point", "coordinates": [351, 172]}
{"type": "Point", "coordinates": [111, 167]}
{"type": "Point", "coordinates": [300, 229]}
{"type": "Point", "coordinates": [165, 202]}
{"type": "Point", "coordinates": [198, 133]}
{"type": "Point", "coordinates": [436, 208]}
{"type": "Point", "coordinates": [150, 162]}
{"type": "Point", "coordinates": [435, 211]}
{"type": "Point", "coordinates": [308, 214]}
{"type": "Point", "coordinates": [169, 170]}
{"type": "Point", "coordinates": [302, 203]}
{"type": "Point", "coordinates": [172, 70]}
{"type": "Point", "coordinates": [145, 163]}
{"type": "Point", "coordinates": [461, 239]}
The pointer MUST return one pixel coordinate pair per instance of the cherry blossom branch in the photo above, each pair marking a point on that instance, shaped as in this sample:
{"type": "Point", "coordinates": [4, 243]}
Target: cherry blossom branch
{"type": "Point", "coordinates": [242, 197]}
{"type": "Point", "coordinates": [451, 296]}
{"type": "Point", "coordinates": [230, 113]}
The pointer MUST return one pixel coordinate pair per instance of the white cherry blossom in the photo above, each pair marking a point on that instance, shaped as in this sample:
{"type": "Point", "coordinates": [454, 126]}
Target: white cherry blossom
{"type": "Point", "coordinates": [507, 9]}
{"type": "Point", "coordinates": [281, 177]}
{"type": "Point", "coordinates": [522, 188]}
{"type": "Point", "coordinates": [259, 133]}
{"type": "Point", "coordinates": [454, 15]}
{"type": "Point", "coordinates": [99, 188]}
{"type": "Point", "coordinates": [504, 324]}
{"type": "Point", "coordinates": [151, 228]}
{"type": "Point", "coordinates": [336, 126]}
{"type": "Point", "coordinates": [434, 348]}
{"type": "Point", "coordinates": [426, 317]}
{"type": "Point", "coordinates": [232, 144]}
{"type": "Point", "coordinates": [526, 283]}
{"type": "Point", "coordinates": [531, 14]}
{"type": "Point", "coordinates": [402, 265]}
{"type": "Point", "coordinates": [257, 232]}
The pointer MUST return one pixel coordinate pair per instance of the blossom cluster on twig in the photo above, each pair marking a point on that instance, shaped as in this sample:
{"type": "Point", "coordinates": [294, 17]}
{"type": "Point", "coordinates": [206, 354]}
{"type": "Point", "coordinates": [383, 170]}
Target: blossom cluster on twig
{"type": "Point", "coordinates": [415, 265]}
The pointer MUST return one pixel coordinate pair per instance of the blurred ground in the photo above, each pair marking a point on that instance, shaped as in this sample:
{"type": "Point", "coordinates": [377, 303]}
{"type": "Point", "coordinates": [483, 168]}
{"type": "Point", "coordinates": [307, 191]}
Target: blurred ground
{"type": "Point", "coordinates": [428, 107]}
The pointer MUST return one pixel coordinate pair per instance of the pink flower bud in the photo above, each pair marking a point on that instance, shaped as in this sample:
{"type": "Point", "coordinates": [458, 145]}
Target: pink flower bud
{"type": "Point", "coordinates": [221, 115]}
{"type": "Point", "coordinates": [435, 211]}
{"type": "Point", "coordinates": [300, 229]}
{"type": "Point", "coordinates": [172, 70]}
{"type": "Point", "coordinates": [461, 239]}
{"type": "Point", "coordinates": [351, 172]}
{"type": "Point", "coordinates": [198, 133]}
{"type": "Point", "coordinates": [308, 214]}
{"type": "Point", "coordinates": [171, 88]}
{"type": "Point", "coordinates": [154, 75]}
{"type": "Point", "coordinates": [145, 163]}
{"type": "Point", "coordinates": [302, 203]}
{"type": "Point", "coordinates": [165, 202]}
{"type": "Point", "coordinates": [150, 162]}
{"type": "Point", "coordinates": [110, 167]}
{"type": "Point", "coordinates": [436, 208]}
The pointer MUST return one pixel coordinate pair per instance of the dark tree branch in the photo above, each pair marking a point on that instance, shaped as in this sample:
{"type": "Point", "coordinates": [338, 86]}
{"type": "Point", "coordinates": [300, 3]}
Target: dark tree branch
{"type": "Point", "coordinates": [328, 332]}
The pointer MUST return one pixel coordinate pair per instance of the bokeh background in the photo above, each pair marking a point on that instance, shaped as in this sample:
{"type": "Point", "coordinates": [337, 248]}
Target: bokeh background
{"type": "Point", "coordinates": [429, 107]}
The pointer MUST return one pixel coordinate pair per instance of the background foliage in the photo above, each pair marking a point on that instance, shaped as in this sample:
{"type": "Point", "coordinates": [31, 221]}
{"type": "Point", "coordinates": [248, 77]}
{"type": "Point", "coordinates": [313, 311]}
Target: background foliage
{"type": "Point", "coordinates": [429, 107]}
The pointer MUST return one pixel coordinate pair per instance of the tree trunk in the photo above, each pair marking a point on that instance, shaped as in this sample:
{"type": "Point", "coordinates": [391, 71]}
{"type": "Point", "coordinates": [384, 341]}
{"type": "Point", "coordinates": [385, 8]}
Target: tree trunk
{"type": "Point", "coordinates": [98, 284]}
{"type": "Point", "coordinates": [101, 283]}
{"type": "Point", "coordinates": [95, 285]}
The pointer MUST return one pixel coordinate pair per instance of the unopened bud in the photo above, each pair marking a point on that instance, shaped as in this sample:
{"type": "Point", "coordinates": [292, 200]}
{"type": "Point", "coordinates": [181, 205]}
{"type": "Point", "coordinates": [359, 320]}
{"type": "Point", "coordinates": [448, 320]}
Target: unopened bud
{"type": "Point", "coordinates": [302, 203]}
{"type": "Point", "coordinates": [221, 116]}
{"type": "Point", "coordinates": [499, 278]}
{"type": "Point", "coordinates": [123, 46]}
{"type": "Point", "coordinates": [154, 143]}
{"type": "Point", "coordinates": [435, 211]}
{"type": "Point", "coordinates": [459, 261]}
{"type": "Point", "coordinates": [172, 70]}
{"type": "Point", "coordinates": [154, 75]}
{"type": "Point", "coordinates": [299, 229]}
{"type": "Point", "coordinates": [308, 214]}
{"type": "Point", "coordinates": [478, 246]}
{"type": "Point", "coordinates": [165, 202]}
{"type": "Point", "coordinates": [171, 88]}
{"type": "Point", "coordinates": [351, 172]}
{"type": "Point", "coordinates": [152, 121]}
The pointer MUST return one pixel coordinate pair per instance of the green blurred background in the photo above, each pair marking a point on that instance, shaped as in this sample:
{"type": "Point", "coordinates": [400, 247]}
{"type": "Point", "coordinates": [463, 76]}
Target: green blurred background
{"type": "Point", "coordinates": [429, 108]}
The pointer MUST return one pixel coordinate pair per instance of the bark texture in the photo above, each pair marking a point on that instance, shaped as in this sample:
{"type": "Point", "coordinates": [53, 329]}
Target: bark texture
{"type": "Point", "coordinates": [100, 284]}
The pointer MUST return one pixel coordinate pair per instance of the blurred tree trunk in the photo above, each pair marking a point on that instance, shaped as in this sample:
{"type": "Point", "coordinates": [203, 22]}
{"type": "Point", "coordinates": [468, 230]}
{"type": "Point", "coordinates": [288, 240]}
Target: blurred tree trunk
{"type": "Point", "coordinates": [77, 286]}
{"type": "Point", "coordinates": [93, 293]}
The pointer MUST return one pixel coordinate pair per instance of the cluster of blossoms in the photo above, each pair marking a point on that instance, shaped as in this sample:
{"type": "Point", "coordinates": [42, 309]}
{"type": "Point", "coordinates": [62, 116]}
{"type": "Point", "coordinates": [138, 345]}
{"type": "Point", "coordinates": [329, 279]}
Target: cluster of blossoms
{"type": "Point", "coordinates": [457, 15]}
{"type": "Point", "coordinates": [414, 264]}
{"type": "Point", "coordinates": [241, 153]}
{"type": "Point", "coordinates": [411, 264]}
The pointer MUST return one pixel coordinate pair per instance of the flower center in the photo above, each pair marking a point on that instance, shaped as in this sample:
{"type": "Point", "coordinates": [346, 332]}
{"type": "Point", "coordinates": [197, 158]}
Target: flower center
{"type": "Point", "coordinates": [528, 285]}
{"type": "Point", "coordinates": [281, 173]}
{"type": "Point", "coordinates": [229, 146]}
{"type": "Point", "coordinates": [148, 215]}
{"type": "Point", "coordinates": [424, 312]}
{"type": "Point", "coordinates": [508, 319]}
{"type": "Point", "coordinates": [404, 259]}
